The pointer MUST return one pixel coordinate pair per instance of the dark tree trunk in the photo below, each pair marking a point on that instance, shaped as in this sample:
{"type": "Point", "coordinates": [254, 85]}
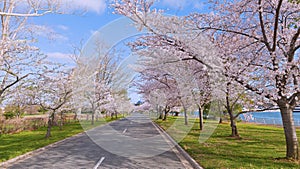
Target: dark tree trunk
{"type": "Point", "coordinates": [292, 145]}
{"type": "Point", "coordinates": [93, 118]}
{"type": "Point", "coordinates": [200, 117]}
{"type": "Point", "coordinates": [61, 121]}
{"type": "Point", "coordinates": [219, 107]}
{"type": "Point", "coordinates": [160, 116]}
{"type": "Point", "coordinates": [160, 113]}
{"type": "Point", "coordinates": [221, 120]}
{"type": "Point", "coordinates": [75, 116]}
{"type": "Point", "coordinates": [234, 130]}
{"type": "Point", "coordinates": [165, 116]}
{"type": "Point", "coordinates": [50, 124]}
{"type": "Point", "coordinates": [167, 110]}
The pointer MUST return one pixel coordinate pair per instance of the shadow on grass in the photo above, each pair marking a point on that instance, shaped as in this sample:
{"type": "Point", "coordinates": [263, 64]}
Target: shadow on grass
{"type": "Point", "coordinates": [258, 147]}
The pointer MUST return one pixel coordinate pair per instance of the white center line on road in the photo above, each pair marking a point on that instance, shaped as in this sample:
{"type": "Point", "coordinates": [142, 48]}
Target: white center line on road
{"type": "Point", "coordinates": [99, 163]}
{"type": "Point", "coordinates": [125, 131]}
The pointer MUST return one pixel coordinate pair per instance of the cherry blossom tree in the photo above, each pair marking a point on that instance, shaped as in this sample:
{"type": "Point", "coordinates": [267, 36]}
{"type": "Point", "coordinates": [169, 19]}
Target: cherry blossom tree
{"type": "Point", "coordinates": [160, 93]}
{"type": "Point", "coordinates": [201, 91]}
{"type": "Point", "coordinates": [258, 40]}
{"type": "Point", "coordinates": [235, 101]}
{"type": "Point", "coordinates": [159, 85]}
{"type": "Point", "coordinates": [19, 58]}
{"type": "Point", "coordinates": [52, 92]}
{"type": "Point", "coordinates": [119, 103]}
{"type": "Point", "coordinates": [98, 79]}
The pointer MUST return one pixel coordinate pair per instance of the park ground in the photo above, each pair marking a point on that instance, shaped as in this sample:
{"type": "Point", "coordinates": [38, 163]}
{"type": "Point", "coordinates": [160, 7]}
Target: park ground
{"type": "Point", "coordinates": [260, 146]}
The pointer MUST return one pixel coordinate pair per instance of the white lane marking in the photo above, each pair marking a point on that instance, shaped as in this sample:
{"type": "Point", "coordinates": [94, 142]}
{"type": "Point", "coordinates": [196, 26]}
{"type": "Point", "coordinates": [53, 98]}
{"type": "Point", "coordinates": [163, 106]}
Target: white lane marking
{"type": "Point", "coordinates": [99, 163]}
{"type": "Point", "coordinates": [125, 131]}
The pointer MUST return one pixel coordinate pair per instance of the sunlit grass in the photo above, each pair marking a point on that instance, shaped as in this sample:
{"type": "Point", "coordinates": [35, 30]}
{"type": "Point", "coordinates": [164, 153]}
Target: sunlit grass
{"type": "Point", "coordinates": [13, 145]}
{"type": "Point", "coordinates": [259, 147]}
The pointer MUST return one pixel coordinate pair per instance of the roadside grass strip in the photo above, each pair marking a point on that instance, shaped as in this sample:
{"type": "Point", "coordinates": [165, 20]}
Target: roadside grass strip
{"type": "Point", "coordinates": [259, 147]}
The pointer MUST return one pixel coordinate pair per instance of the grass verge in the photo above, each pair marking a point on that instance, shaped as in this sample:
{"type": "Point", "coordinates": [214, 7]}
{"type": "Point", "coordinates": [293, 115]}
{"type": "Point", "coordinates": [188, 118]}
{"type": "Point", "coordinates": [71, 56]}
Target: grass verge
{"type": "Point", "coordinates": [259, 146]}
{"type": "Point", "coordinates": [13, 145]}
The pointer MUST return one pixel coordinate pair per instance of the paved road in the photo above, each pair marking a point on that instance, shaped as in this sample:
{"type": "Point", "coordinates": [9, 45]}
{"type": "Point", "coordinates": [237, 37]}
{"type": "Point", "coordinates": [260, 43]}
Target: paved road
{"type": "Point", "coordinates": [133, 142]}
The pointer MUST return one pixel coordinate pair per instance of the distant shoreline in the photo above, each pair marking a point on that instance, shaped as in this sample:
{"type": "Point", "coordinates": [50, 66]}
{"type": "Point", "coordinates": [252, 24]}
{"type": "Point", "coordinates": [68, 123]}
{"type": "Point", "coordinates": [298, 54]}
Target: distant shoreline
{"type": "Point", "coordinates": [268, 117]}
{"type": "Point", "coordinates": [274, 111]}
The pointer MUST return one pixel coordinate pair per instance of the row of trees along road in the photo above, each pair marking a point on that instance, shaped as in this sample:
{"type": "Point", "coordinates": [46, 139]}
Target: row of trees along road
{"type": "Point", "coordinates": [22, 66]}
{"type": "Point", "coordinates": [256, 46]}
{"type": "Point", "coordinates": [27, 77]}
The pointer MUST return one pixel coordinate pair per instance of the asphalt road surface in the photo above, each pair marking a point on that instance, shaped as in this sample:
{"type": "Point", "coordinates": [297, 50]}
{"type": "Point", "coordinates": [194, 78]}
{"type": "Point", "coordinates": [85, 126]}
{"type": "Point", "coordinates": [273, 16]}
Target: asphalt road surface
{"type": "Point", "coordinates": [134, 142]}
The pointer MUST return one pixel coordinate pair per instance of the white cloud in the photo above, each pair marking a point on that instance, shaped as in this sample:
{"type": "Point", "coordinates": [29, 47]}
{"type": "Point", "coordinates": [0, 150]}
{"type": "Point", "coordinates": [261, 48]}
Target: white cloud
{"type": "Point", "coordinates": [62, 27]}
{"type": "Point", "coordinates": [183, 4]}
{"type": "Point", "coordinates": [47, 32]}
{"type": "Point", "coordinates": [199, 5]}
{"type": "Point", "coordinates": [175, 3]}
{"type": "Point", "coordinates": [97, 6]}
{"type": "Point", "coordinates": [58, 55]}
{"type": "Point", "coordinates": [62, 58]}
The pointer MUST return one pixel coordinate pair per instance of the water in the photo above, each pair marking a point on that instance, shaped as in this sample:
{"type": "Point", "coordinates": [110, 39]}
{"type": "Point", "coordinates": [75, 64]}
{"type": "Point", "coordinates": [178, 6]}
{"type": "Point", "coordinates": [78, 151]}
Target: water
{"type": "Point", "coordinates": [268, 118]}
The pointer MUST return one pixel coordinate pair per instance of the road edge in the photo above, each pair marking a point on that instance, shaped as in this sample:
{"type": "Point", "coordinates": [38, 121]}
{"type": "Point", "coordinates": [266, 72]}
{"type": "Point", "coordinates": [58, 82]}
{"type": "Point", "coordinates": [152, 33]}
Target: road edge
{"type": "Point", "coordinates": [5, 164]}
{"type": "Point", "coordinates": [192, 162]}
{"type": "Point", "coordinates": [37, 151]}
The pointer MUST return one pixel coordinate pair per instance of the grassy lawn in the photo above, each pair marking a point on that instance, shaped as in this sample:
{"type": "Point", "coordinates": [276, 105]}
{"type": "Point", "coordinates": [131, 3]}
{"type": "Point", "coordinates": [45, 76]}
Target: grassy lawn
{"type": "Point", "coordinates": [13, 145]}
{"type": "Point", "coordinates": [259, 147]}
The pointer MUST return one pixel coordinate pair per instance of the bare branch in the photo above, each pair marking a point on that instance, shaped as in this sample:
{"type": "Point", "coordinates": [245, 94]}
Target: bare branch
{"type": "Point", "coordinates": [262, 26]}
{"type": "Point", "coordinates": [276, 24]}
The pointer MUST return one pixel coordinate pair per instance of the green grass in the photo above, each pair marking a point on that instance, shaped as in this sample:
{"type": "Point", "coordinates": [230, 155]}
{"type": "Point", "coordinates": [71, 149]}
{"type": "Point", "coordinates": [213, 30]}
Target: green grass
{"type": "Point", "coordinates": [259, 147]}
{"type": "Point", "coordinates": [13, 145]}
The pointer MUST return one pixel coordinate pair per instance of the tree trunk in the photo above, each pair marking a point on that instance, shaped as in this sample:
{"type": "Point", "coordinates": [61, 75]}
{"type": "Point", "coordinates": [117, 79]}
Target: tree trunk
{"type": "Point", "coordinates": [160, 113]}
{"type": "Point", "coordinates": [292, 145]}
{"type": "Point", "coordinates": [185, 116]}
{"type": "Point", "coordinates": [160, 116]}
{"type": "Point", "coordinates": [167, 110]}
{"type": "Point", "coordinates": [221, 120]}
{"type": "Point", "coordinates": [234, 130]}
{"type": "Point", "coordinates": [93, 118]}
{"type": "Point", "coordinates": [61, 121]}
{"type": "Point", "coordinates": [219, 107]}
{"type": "Point", "coordinates": [200, 117]}
{"type": "Point", "coordinates": [75, 116]}
{"type": "Point", "coordinates": [165, 116]}
{"type": "Point", "coordinates": [112, 115]}
{"type": "Point", "coordinates": [50, 124]}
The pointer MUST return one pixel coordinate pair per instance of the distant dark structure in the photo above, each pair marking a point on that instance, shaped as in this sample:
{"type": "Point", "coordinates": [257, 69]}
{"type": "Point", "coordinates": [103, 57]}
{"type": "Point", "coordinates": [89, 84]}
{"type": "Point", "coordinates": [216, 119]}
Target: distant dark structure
{"type": "Point", "coordinates": [139, 103]}
{"type": "Point", "coordinates": [297, 109]}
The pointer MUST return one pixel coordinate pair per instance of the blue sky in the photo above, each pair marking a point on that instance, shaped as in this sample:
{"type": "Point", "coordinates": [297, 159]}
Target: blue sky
{"type": "Point", "coordinates": [67, 30]}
